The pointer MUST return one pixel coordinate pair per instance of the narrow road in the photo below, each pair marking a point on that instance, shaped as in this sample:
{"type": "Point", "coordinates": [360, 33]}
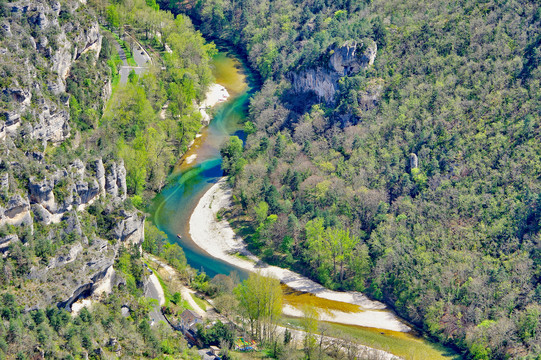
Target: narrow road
{"type": "Point", "coordinates": [153, 290]}
{"type": "Point", "coordinates": [140, 56]}
{"type": "Point", "coordinates": [185, 291]}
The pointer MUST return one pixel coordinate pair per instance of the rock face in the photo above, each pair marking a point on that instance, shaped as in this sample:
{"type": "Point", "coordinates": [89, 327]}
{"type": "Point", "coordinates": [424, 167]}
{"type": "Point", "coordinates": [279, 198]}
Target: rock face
{"type": "Point", "coordinates": [77, 187]}
{"type": "Point", "coordinates": [59, 44]}
{"type": "Point", "coordinates": [414, 161]}
{"type": "Point", "coordinates": [131, 230]}
{"type": "Point", "coordinates": [318, 80]}
{"type": "Point", "coordinates": [41, 192]}
{"type": "Point", "coordinates": [6, 241]}
{"type": "Point", "coordinates": [16, 212]}
{"type": "Point", "coordinates": [78, 272]}
{"type": "Point", "coordinates": [100, 175]}
{"type": "Point", "coordinates": [38, 51]}
{"type": "Point", "coordinates": [345, 60]}
{"type": "Point", "coordinates": [115, 181]}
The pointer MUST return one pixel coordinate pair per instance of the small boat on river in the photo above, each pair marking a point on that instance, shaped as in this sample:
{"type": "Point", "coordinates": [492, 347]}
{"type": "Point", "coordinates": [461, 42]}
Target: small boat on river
{"type": "Point", "coordinates": [179, 236]}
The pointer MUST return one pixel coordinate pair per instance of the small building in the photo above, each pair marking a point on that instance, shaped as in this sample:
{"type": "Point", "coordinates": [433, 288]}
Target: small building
{"type": "Point", "coordinates": [215, 350]}
{"type": "Point", "coordinates": [188, 320]}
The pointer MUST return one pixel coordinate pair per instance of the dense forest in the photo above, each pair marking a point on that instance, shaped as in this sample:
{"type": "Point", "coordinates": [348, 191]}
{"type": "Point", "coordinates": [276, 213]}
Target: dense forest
{"type": "Point", "coordinates": [419, 180]}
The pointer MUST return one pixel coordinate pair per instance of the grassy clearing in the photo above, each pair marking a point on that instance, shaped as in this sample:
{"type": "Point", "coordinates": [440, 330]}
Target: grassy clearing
{"type": "Point", "coordinates": [200, 302]}
{"type": "Point", "coordinates": [243, 257]}
{"type": "Point", "coordinates": [171, 283]}
{"type": "Point", "coordinates": [405, 345]}
{"type": "Point", "coordinates": [163, 284]}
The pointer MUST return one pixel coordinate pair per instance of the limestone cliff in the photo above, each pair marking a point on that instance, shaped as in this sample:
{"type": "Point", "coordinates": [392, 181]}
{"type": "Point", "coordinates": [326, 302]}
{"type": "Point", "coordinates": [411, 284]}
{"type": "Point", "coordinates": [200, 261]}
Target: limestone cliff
{"type": "Point", "coordinates": [40, 48]}
{"type": "Point", "coordinates": [344, 60]}
{"type": "Point", "coordinates": [51, 189]}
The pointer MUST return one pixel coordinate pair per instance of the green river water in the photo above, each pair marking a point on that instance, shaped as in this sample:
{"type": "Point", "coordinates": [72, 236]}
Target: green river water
{"type": "Point", "coordinates": [200, 168]}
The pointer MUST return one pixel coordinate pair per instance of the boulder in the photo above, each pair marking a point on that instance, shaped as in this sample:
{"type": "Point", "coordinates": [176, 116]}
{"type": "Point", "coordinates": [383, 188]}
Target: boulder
{"type": "Point", "coordinates": [41, 214]}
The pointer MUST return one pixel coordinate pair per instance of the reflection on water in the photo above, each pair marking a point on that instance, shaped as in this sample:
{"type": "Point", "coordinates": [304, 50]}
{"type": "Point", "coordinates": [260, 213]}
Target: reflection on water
{"type": "Point", "coordinates": [192, 178]}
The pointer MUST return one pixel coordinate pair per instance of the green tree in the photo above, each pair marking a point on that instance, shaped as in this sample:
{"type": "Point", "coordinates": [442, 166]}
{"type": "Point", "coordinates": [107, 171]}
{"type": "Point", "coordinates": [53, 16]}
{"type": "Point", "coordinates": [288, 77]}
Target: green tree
{"type": "Point", "coordinates": [232, 153]}
{"type": "Point", "coordinates": [260, 302]}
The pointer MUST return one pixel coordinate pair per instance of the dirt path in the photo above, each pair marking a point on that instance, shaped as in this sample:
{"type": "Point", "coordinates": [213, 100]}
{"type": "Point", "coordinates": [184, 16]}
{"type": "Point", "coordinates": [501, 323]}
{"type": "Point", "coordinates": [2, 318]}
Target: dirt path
{"type": "Point", "coordinates": [185, 292]}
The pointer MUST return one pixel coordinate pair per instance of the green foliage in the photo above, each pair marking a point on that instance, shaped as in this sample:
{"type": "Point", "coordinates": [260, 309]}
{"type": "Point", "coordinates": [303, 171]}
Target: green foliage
{"type": "Point", "coordinates": [217, 334]}
{"type": "Point", "coordinates": [260, 302]}
{"type": "Point", "coordinates": [448, 244]}
{"type": "Point", "coordinates": [231, 152]}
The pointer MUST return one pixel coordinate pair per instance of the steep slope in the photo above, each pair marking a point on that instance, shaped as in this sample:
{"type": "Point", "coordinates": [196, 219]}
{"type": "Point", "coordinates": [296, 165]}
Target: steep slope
{"type": "Point", "coordinates": [68, 227]}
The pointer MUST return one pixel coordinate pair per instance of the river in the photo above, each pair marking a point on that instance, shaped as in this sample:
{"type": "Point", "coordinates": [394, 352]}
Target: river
{"type": "Point", "coordinates": [200, 168]}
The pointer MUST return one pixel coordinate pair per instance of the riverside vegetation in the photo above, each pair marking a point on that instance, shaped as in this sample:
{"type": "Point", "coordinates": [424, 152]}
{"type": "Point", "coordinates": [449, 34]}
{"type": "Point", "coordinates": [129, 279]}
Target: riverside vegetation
{"type": "Point", "coordinates": [416, 178]}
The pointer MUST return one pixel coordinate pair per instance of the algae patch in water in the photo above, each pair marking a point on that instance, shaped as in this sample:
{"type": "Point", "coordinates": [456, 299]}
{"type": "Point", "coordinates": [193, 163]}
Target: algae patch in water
{"type": "Point", "coordinates": [300, 299]}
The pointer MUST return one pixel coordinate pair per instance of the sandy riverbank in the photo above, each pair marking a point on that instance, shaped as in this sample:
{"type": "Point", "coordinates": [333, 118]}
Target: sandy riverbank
{"type": "Point", "coordinates": [219, 240]}
{"type": "Point", "coordinates": [215, 95]}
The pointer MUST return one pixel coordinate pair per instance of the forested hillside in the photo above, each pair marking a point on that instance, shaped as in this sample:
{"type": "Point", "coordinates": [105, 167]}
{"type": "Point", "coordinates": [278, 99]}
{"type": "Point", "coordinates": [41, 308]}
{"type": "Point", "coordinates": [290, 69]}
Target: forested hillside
{"type": "Point", "coordinates": [81, 153]}
{"type": "Point", "coordinates": [413, 171]}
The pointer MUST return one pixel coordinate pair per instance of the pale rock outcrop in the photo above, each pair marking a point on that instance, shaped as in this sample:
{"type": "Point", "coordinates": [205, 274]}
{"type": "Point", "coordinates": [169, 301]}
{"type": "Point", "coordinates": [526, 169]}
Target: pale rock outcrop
{"type": "Point", "coordinates": [16, 212]}
{"type": "Point", "coordinates": [115, 180]}
{"type": "Point", "coordinates": [12, 119]}
{"type": "Point", "coordinates": [344, 60]}
{"type": "Point", "coordinates": [111, 185]}
{"type": "Point", "coordinates": [70, 257]}
{"type": "Point", "coordinates": [41, 192]}
{"type": "Point", "coordinates": [22, 96]}
{"type": "Point", "coordinates": [100, 175]}
{"type": "Point", "coordinates": [121, 180]}
{"type": "Point", "coordinates": [6, 29]}
{"type": "Point", "coordinates": [131, 230]}
{"type": "Point", "coordinates": [78, 271]}
{"type": "Point", "coordinates": [38, 16]}
{"type": "Point", "coordinates": [78, 168]}
{"type": "Point", "coordinates": [4, 181]}
{"type": "Point", "coordinates": [42, 215]}
{"type": "Point", "coordinates": [87, 191]}
{"type": "Point", "coordinates": [91, 40]}
{"type": "Point", "coordinates": [318, 80]}
{"type": "Point", "coordinates": [53, 125]}
{"type": "Point", "coordinates": [414, 161]}
{"type": "Point", "coordinates": [6, 241]}
{"type": "Point", "coordinates": [106, 92]}
{"type": "Point", "coordinates": [2, 130]}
